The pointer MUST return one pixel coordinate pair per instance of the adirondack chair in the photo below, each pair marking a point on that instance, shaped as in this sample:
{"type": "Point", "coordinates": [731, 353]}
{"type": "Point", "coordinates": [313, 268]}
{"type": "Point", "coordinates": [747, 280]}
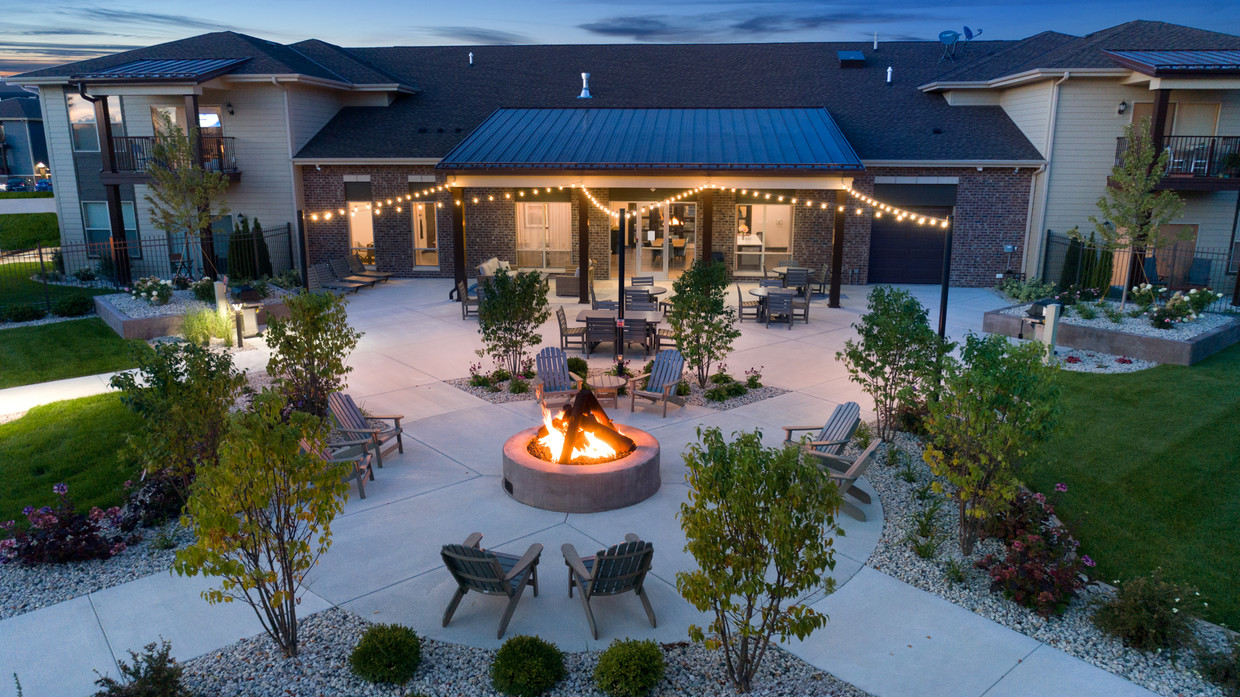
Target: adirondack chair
{"type": "Point", "coordinates": [569, 335]}
{"type": "Point", "coordinates": [1198, 273]}
{"type": "Point", "coordinates": [351, 420]}
{"type": "Point", "coordinates": [847, 479]}
{"type": "Point", "coordinates": [356, 453]}
{"type": "Point", "coordinates": [599, 330]}
{"type": "Point", "coordinates": [664, 376]}
{"type": "Point", "coordinates": [314, 283]}
{"type": "Point", "coordinates": [340, 268]}
{"type": "Point", "coordinates": [833, 437]}
{"type": "Point", "coordinates": [327, 280]}
{"type": "Point", "coordinates": [637, 331]}
{"type": "Point", "coordinates": [469, 304]}
{"type": "Point", "coordinates": [746, 308]}
{"type": "Point", "coordinates": [490, 573]}
{"type": "Point", "coordinates": [779, 308]}
{"type": "Point", "coordinates": [618, 569]}
{"type": "Point", "coordinates": [554, 378]}
{"type": "Point", "coordinates": [359, 269]}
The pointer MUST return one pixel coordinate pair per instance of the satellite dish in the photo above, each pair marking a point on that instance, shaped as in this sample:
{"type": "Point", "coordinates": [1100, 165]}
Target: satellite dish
{"type": "Point", "coordinates": [949, 37]}
{"type": "Point", "coordinates": [968, 33]}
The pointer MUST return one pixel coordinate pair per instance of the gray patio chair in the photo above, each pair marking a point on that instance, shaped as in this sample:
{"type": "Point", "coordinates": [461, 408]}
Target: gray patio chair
{"type": "Point", "coordinates": [490, 573]}
{"type": "Point", "coordinates": [779, 308]}
{"type": "Point", "coordinates": [834, 435]}
{"type": "Point", "coordinates": [569, 335]}
{"type": "Point", "coordinates": [798, 279]}
{"type": "Point", "coordinates": [771, 282]}
{"type": "Point", "coordinates": [1199, 273]}
{"type": "Point", "coordinates": [554, 378]}
{"type": "Point", "coordinates": [661, 381]}
{"type": "Point", "coordinates": [359, 269]}
{"type": "Point", "coordinates": [824, 280]}
{"type": "Point", "coordinates": [847, 480]}
{"type": "Point", "coordinates": [635, 295]}
{"type": "Point", "coordinates": [618, 569]}
{"type": "Point", "coordinates": [637, 331]}
{"type": "Point", "coordinates": [315, 284]}
{"type": "Point", "coordinates": [640, 281]}
{"type": "Point", "coordinates": [327, 280]}
{"type": "Point", "coordinates": [469, 304]}
{"type": "Point", "coordinates": [350, 420]}
{"type": "Point", "coordinates": [356, 454]}
{"type": "Point", "coordinates": [746, 309]}
{"type": "Point", "coordinates": [599, 330]}
{"type": "Point", "coordinates": [340, 268]}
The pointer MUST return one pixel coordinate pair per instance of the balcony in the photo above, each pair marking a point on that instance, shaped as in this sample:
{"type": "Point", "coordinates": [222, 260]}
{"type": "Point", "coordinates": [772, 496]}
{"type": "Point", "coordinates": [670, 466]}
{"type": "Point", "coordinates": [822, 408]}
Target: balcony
{"type": "Point", "coordinates": [134, 154]}
{"type": "Point", "coordinates": [1197, 163]}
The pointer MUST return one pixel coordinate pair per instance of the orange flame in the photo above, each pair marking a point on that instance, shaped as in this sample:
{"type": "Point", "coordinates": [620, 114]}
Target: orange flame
{"type": "Point", "coordinates": [588, 446]}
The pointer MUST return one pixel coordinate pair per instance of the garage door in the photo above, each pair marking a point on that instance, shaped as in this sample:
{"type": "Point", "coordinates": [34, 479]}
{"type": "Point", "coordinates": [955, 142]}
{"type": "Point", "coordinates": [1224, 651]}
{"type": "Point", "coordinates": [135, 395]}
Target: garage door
{"type": "Point", "coordinates": [904, 252]}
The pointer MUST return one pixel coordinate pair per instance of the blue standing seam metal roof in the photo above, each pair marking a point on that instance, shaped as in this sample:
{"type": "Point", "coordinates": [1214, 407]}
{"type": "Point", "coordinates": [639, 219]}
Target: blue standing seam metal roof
{"type": "Point", "coordinates": [177, 70]}
{"type": "Point", "coordinates": [802, 139]}
{"type": "Point", "coordinates": [1180, 62]}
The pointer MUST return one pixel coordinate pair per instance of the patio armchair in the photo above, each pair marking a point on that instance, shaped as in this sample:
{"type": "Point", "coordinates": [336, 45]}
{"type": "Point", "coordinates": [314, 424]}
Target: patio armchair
{"type": "Point", "coordinates": [746, 309]}
{"type": "Point", "coordinates": [779, 308]}
{"type": "Point", "coordinates": [488, 268]}
{"type": "Point", "coordinates": [351, 421]}
{"type": "Point", "coordinates": [469, 304]}
{"type": "Point", "coordinates": [355, 453]}
{"type": "Point", "coordinates": [554, 378]}
{"type": "Point", "coordinates": [635, 295]}
{"type": "Point", "coordinates": [824, 280]}
{"type": "Point", "coordinates": [598, 330]}
{"type": "Point", "coordinates": [798, 279]}
{"type": "Point", "coordinates": [641, 281]}
{"type": "Point", "coordinates": [660, 383]}
{"type": "Point", "coordinates": [490, 573]}
{"type": "Point", "coordinates": [316, 284]}
{"type": "Point", "coordinates": [847, 480]}
{"type": "Point", "coordinates": [340, 268]}
{"type": "Point", "coordinates": [618, 569]}
{"type": "Point", "coordinates": [569, 335]}
{"type": "Point", "coordinates": [359, 269]}
{"type": "Point", "coordinates": [569, 284]}
{"type": "Point", "coordinates": [834, 435]}
{"type": "Point", "coordinates": [328, 280]}
{"type": "Point", "coordinates": [771, 283]}
{"type": "Point", "coordinates": [637, 331]}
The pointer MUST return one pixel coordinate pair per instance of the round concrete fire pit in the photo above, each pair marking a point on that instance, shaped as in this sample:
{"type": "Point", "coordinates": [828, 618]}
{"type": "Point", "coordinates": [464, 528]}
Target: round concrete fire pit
{"type": "Point", "coordinates": [581, 488]}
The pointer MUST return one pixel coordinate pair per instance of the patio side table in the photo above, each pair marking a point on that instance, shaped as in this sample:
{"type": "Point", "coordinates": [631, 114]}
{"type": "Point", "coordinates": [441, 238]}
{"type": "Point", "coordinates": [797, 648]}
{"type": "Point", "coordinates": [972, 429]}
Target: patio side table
{"type": "Point", "coordinates": [606, 387]}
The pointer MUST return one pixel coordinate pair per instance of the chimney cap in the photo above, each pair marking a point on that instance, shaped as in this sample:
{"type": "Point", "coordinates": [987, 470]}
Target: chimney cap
{"type": "Point", "coordinates": [585, 86]}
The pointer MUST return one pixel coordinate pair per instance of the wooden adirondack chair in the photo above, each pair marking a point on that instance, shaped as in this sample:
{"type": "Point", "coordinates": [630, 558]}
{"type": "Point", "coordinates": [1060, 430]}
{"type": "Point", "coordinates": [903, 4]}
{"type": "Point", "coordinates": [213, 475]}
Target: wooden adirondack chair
{"type": "Point", "coordinates": [834, 436]}
{"type": "Point", "coordinates": [554, 378]}
{"type": "Point", "coordinates": [469, 304]}
{"type": "Point", "coordinates": [664, 376]}
{"type": "Point", "coordinates": [340, 268]}
{"type": "Point", "coordinates": [327, 280]}
{"type": "Point", "coordinates": [315, 284]}
{"type": "Point", "coordinates": [359, 269]}
{"type": "Point", "coordinates": [618, 569]}
{"type": "Point", "coordinates": [351, 420]}
{"type": "Point", "coordinates": [490, 573]}
{"type": "Point", "coordinates": [569, 335]}
{"type": "Point", "coordinates": [356, 453]}
{"type": "Point", "coordinates": [847, 479]}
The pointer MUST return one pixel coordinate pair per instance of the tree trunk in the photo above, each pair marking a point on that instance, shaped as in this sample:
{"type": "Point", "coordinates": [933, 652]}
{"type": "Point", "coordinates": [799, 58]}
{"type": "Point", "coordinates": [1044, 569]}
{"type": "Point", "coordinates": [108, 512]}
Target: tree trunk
{"type": "Point", "coordinates": [1123, 298]}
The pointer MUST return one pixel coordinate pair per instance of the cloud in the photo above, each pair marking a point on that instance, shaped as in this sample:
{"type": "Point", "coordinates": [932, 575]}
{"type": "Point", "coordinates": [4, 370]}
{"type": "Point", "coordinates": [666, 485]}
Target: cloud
{"type": "Point", "coordinates": [480, 35]}
{"type": "Point", "coordinates": [62, 31]}
{"type": "Point", "coordinates": [104, 14]}
{"type": "Point", "coordinates": [784, 23]}
{"type": "Point", "coordinates": [646, 28]}
{"type": "Point", "coordinates": [741, 25]}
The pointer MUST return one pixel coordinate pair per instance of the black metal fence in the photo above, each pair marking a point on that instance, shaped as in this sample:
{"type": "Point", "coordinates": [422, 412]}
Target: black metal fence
{"type": "Point", "coordinates": [1178, 266]}
{"type": "Point", "coordinates": [42, 276]}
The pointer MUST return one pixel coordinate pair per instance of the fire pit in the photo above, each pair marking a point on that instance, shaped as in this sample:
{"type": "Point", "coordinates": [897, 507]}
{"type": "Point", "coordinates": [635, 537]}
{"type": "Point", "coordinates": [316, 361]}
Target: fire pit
{"type": "Point", "coordinates": [580, 461]}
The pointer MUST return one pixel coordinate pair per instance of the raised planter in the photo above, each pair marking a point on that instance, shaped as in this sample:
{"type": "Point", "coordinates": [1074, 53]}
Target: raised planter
{"type": "Point", "coordinates": [166, 325]}
{"type": "Point", "coordinates": [1149, 348]}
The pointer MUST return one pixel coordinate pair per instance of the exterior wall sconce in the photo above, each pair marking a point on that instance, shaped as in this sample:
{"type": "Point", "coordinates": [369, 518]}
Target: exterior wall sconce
{"type": "Point", "coordinates": [1123, 106]}
{"type": "Point", "coordinates": [229, 107]}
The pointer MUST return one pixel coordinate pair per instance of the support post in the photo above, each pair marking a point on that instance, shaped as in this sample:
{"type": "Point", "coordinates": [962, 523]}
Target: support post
{"type": "Point", "coordinates": [624, 234]}
{"type": "Point", "coordinates": [119, 246]}
{"type": "Point", "coordinates": [1231, 249]}
{"type": "Point", "coordinates": [946, 277]}
{"type": "Point", "coordinates": [837, 253]}
{"type": "Point", "coordinates": [47, 298]}
{"type": "Point", "coordinates": [585, 278]}
{"type": "Point", "coordinates": [1158, 125]}
{"type": "Point", "coordinates": [707, 226]}
{"type": "Point", "coordinates": [458, 240]}
{"type": "Point", "coordinates": [206, 238]}
{"type": "Point", "coordinates": [304, 248]}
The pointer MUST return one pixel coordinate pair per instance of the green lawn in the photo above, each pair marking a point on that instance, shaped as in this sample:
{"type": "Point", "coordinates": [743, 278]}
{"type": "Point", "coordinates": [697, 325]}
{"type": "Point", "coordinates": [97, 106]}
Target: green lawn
{"type": "Point", "coordinates": [26, 194]}
{"type": "Point", "coordinates": [16, 288]}
{"type": "Point", "coordinates": [76, 442]}
{"type": "Point", "coordinates": [1152, 464]}
{"type": "Point", "coordinates": [61, 350]}
{"type": "Point", "coordinates": [26, 230]}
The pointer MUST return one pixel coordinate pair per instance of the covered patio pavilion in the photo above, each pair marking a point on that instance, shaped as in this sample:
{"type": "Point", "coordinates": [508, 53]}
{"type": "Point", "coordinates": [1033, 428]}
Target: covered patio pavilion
{"type": "Point", "coordinates": [711, 157]}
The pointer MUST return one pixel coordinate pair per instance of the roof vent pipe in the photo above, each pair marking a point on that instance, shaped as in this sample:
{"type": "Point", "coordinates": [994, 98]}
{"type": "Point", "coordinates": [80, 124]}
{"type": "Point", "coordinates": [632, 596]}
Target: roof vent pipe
{"type": "Point", "coordinates": [875, 41]}
{"type": "Point", "coordinates": [889, 75]}
{"type": "Point", "coordinates": [471, 59]}
{"type": "Point", "coordinates": [585, 86]}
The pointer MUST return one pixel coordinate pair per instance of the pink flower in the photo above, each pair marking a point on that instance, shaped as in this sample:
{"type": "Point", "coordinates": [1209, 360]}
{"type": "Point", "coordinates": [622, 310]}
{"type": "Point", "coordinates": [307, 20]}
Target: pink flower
{"type": "Point", "coordinates": [1087, 561]}
{"type": "Point", "coordinates": [1072, 359]}
{"type": "Point", "coordinates": [61, 489]}
{"type": "Point", "coordinates": [1018, 545]}
{"type": "Point", "coordinates": [118, 548]}
{"type": "Point", "coordinates": [1061, 487]}
{"type": "Point", "coordinates": [1124, 361]}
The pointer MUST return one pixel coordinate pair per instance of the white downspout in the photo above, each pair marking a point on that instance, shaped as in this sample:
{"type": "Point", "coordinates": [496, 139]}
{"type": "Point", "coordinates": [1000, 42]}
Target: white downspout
{"type": "Point", "coordinates": [1037, 239]}
{"type": "Point", "coordinates": [294, 229]}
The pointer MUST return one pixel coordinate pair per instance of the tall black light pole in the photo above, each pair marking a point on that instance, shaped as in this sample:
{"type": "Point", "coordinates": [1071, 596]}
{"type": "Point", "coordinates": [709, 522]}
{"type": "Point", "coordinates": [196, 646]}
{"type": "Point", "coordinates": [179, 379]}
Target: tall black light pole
{"type": "Point", "coordinates": [624, 234]}
{"type": "Point", "coordinates": [946, 278]}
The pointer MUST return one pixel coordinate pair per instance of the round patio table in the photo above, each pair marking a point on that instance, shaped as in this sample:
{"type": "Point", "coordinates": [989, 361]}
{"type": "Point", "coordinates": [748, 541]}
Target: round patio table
{"type": "Point", "coordinates": [764, 292]}
{"type": "Point", "coordinates": [606, 387]}
{"type": "Point", "coordinates": [653, 290]}
{"type": "Point", "coordinates": [783, 270]}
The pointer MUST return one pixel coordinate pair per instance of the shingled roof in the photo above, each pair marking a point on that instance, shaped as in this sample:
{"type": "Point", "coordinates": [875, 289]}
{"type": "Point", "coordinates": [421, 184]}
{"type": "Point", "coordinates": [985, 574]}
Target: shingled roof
{"type": "Point", "coordinates": [20, 108]}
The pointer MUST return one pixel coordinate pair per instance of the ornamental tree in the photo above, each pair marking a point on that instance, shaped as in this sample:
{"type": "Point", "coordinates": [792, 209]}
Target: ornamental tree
{"type": "Point", "coordinates": [895, 356]}
{"type": "Point", "coordinates": [703, 324]}
{"type": "Point", "coordinates": [309, 349]}
{"type": "Point", "coordinates": [761, 526]}
{"type": "Point", "coordinates": [511, 308]}
{"type": "Point", "coordinates": [995, 405]}
{"type": "Point", "coordinates": [262, 515]}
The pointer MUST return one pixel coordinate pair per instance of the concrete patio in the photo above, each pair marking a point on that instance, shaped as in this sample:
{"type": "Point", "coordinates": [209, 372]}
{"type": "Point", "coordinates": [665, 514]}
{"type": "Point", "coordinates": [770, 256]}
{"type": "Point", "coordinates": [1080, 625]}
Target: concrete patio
{"type": "Point", "coordinates": [884, 636]}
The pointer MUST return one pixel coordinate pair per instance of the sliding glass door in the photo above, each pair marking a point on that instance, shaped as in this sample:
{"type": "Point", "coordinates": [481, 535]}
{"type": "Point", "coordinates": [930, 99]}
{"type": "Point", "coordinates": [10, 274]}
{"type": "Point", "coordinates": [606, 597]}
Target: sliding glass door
{"type": "Point", "coordinates": [544, 235]}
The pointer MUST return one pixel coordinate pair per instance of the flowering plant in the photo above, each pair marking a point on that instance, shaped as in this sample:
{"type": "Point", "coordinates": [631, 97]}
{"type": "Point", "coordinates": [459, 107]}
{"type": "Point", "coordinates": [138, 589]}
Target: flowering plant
{"type": "Point", "coordinates": [1145, 295]}
{"type": "Point", "coordinates": [476, 377]}
{"type": "Point", "coordinates": [1175, 311]}
{"type": "Point", "coordinates": [1199, 300]}
{"type": "Point", "coordinates": [204, 290]}
{"type": "Point", "coordinates": [753, 377]}
{"type": "Point", "coordinates": [61, 534]}
{"type": "Point", "coordinates": [155, 291]}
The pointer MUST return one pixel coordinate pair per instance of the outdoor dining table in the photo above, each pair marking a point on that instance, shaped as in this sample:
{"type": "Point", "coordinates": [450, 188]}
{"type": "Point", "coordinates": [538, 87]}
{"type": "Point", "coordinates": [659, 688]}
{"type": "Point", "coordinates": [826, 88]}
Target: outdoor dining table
{"type": "Point", "coordinates": [764, 292]}
{"type": "Point", "coordinates": [783, 270]}
{"type": "Point", "coordinates": [650, 317]}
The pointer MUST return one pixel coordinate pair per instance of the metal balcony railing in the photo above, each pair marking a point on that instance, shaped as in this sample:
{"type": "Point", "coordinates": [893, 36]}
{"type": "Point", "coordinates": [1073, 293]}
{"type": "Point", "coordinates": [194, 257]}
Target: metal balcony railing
{"type": "Point", "coordinates": [1195, 156]}
{"type": "Point", "coordinates": [134, 153]}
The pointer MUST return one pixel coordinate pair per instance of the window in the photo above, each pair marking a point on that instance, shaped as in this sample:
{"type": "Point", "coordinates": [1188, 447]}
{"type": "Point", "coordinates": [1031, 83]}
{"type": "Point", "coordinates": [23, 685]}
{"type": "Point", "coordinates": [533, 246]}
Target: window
{"type": "Point", "coordinates": [82, 121]}
{"type": "Point", "coordinates": [544, 235]}
{"type": "Point", "coordinates": [99, 227]}
{"type": "Point", "coordinates": [763, 236]}
{"type": "Point", "coordinates": [361, 220]}
{"type": "Point", "coordinates": [210, 121]}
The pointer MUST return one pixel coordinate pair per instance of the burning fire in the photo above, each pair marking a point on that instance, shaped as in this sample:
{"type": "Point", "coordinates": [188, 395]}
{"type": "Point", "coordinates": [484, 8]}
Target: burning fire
{"type": "Point", "coordinates": [588, 445]}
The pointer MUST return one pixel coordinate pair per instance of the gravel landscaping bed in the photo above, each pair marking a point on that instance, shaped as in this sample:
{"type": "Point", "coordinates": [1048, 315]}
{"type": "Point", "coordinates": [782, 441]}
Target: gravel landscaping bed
{"type": "Point", "coordinates": [1080, 361]}
{"type": "Point", "coordinates": [1072, 632]}
{"type": "Point", "coordinates": [182, 302]}
{"type": "Point", "coordinates": [25, 588]}
{"type": "Point", "coordinates": [50, 319]}
{"type": "Point", "coordinates": [254, 667]}
{"type": "Point", "coordinates": [1206, 322]}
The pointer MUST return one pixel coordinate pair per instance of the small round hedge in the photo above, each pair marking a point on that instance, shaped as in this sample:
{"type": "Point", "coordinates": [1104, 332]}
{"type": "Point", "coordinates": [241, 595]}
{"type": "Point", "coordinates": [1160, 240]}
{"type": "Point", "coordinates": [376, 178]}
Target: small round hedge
{"type": "Point", "coordinates": [387, 653]}
{"type": "Point", "coordinates": [629, 668]}
{"type": "Point", "coordinates": [24, 313]}
{"type": "Point", "coordinates": [527, 666]}
{"type": "Point", "coordinates": [578, 366]}
{"type": "Point", "coordinates": [73, 306]}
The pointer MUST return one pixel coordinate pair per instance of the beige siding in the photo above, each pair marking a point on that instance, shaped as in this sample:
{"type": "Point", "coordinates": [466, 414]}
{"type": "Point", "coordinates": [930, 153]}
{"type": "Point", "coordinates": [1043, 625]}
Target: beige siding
{"type": "Point", "coordinates": [60, 156]}
{"type": "Point", "coordinates": [972, 97]}
{"type": "Point", "coordinates": [309, 110]}
{"type": "Point", "coordinates": [1029, 108]}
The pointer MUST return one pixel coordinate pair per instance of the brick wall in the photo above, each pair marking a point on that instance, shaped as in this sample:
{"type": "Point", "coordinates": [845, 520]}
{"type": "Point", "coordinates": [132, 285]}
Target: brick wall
{"type": "Point", "coordinates": [600, 231]}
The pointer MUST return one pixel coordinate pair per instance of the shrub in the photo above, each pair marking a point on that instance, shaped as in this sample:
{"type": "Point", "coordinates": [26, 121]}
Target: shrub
{"type": "Point", "coordinates": [73, 306]}
{"type": "Point", "coordinates": [1223, 668]}
{"type": "Point", "coordinates": [387, 653]}
{"type": "Point", "coordinates": [527, 666]}
{"type": "Point", "coordinates": [510, 311]}
{"type": "Point", "coordinates": [1150, 612]}
{"type": "Point", "coordinates": [1200, 299]}
{"type": "Point", "coordinates": [1145, 295]}
{"type": "Point", "coordinates": [309, 349]}
{"type": "Point", "coordinates": [24, 313]}
{"type": "Point", "coordinates": [753, 378]}
{"type": "Point", "coordinates": [155, 291]}
{"type": "Point", "coordinates": [180, 282]}
{"type": "Point", "coordinates": [896, 353]}
{"type": "Point", "coordinates": [84, 274]}
{"type": "Point", "coordinates": [994, 407]}
{"type": "Point", "coordinates": [154, 673]}
{"type": "Point", "coordinates": [203, 324]}
{"type": "Point", "coordinates": [703, 324]}
{"type": "Point", "coordinates": [726, 391]}
{"type": "Point", "coordinates": [154, 501]}
{"type": "Point", "coordinates": [288, 279]}
{"type": "Point", "coordinates": [58, 260]}
{"type": "Point", "coordinates": [62, 534]}
{"type": "Point", "coordinates": [1175, 311]}
{"type": "Point", "coordinates": [629, 668]}
{"type": "Point", "coordinates": [204, 290]}
{"type": "Point", "coordinates": [476, 377]}
{"type": "Point", "coordinates": [760, 527]}
{"type": "Point", "coordinates": [1112, 311]}
{"type": "Point", "coordinates": [519, 386]}
{"type": "Point", "coordinates": [106, 267]}
{"type": "Point", "coordinates": [578, 366]}
{"type": "Point", "coordinates": [722, 377]}
{"type": "Point", "coordinates": [1025, 291]}
{"type": "Point", "coordinates": [683, 389]}
{"type": "Point", "coordinates": [1086, 310]}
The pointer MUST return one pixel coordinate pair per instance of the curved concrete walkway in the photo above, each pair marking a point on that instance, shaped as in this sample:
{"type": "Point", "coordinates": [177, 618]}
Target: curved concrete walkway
{"type": "Point", "coordinates": [884, 636]}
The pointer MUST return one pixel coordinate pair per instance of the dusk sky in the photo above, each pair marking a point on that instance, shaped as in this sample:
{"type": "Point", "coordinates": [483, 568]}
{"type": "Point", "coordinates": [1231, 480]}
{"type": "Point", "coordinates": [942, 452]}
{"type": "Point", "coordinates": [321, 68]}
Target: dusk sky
{"type": "Point", "coordinates": [39, 34]}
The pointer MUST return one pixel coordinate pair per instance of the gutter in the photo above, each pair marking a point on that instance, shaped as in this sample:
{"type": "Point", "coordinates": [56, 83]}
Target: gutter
{"type": "Point", "coordinates": [1019, 78]}
{"type": "Point", "coordinates": [1052, 119]}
